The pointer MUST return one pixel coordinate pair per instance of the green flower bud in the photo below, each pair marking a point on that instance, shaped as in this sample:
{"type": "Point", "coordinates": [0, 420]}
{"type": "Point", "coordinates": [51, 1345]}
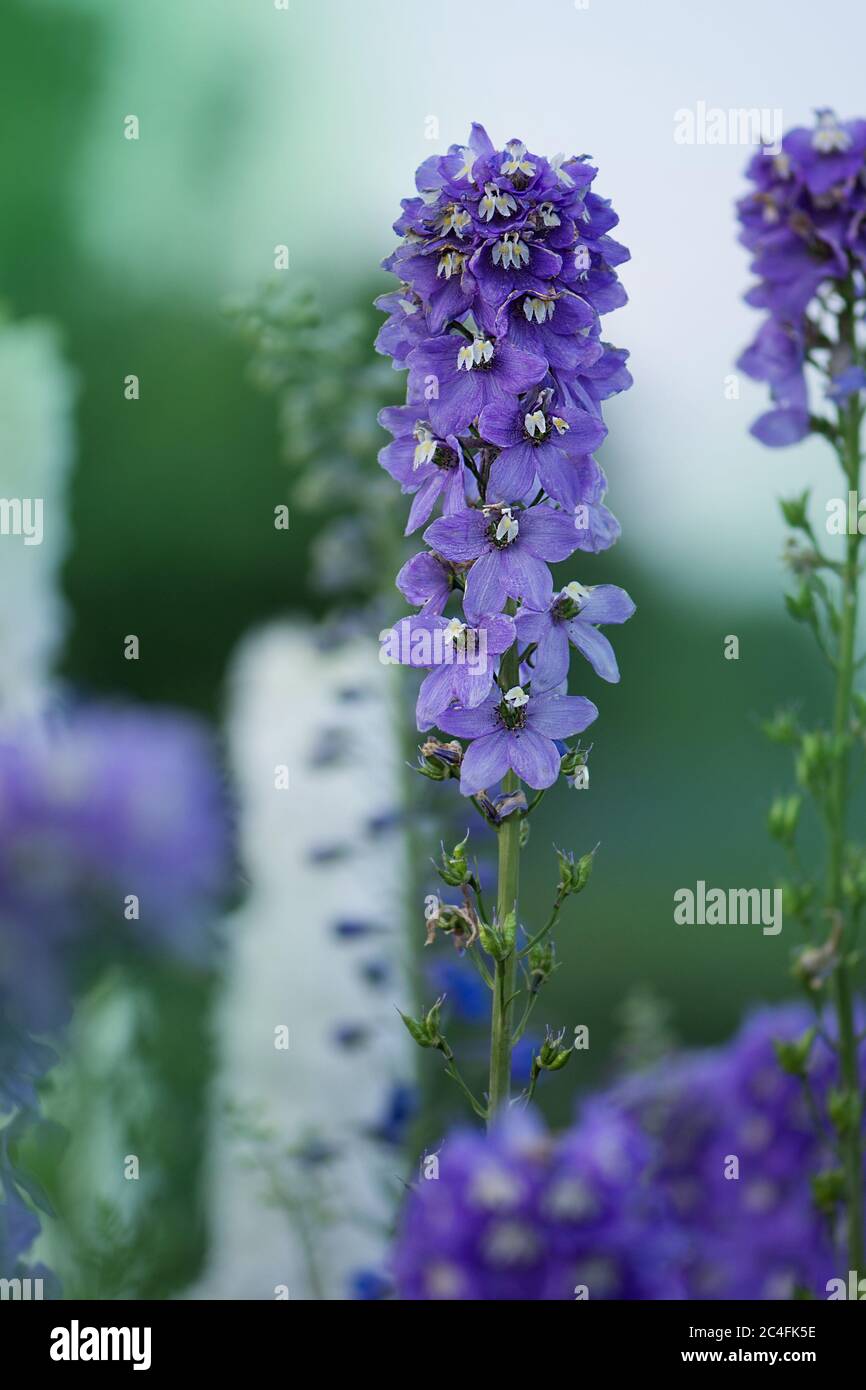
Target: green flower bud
{"type": "Point", "coordinates": [793, 1057]}
{"type": "Point", "coordinates": [843, 1107]}
{"type": "Point", "coordinates": [801, 605]}
{"type": "Point", "coordinates": [782, 818]}
{"type": "Point", "coordinates": [794, 511]}
{"type": "Point", "coordinates": [551, 1056]}
{"type": "Point", "coordinates": [782, 728]}
{"type": "Point", "coordinates": [498, 941]}
{"type": "Point", "coordinates": [454, 869]}
{"type": "Point", "coordinates": [828, 1190]}
{"type": "Point", "coordinates": [573, 877]}
{"type": "Point", "coordinates": [542, 963]}
{"type": "Point", "coordinates": [814, 760]}
{"type": "Point", "coordinates": [796, 898]}
{"type": "Point", "coordinates": [426, 1031]}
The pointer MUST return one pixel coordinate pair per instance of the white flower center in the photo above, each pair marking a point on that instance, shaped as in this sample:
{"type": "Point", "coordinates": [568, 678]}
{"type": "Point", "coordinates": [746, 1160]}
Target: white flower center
{"type": "Point", "coordinates": [538, 307]}
{"type": "Point", "coordinates": [516, 161]}
{"type": "Point", "coordinates": [510, 251]}
{"type": "Point", "coordinates": [560, 425]}
{"type": "Point", "coordinates": [829, 138]}
{"type": "Point", "coordinates": [454, 632]}
{"type": "Point", "coordinates": [578, 593]}
{"type": "Point", "coordinates": [535, 423]}
{"type": "Point", "coordinates": [451, 263]}
{"type": "Point", "coordinates": [495, 200]}
{"type": "Point", "coordinates": [465, 171]}
{"type": "Point", "coordinates": [556, 165]}
{"type": "Point", "coordinates": [473, 354]}
{"type": "Point", "coordinates": [782, 165]}
{"type": "Point", "coordinates": [507, 528]}
{"type": "Point", "coordinates": [516, 697]}
{"type": "Point", "coordinates": [426, 446]}
{"type": "Point", "coordinates": [454, 219]}
{"type": "Point", "coordinates": [581, 259]}
{"type": "Point", "coordinates": [495, 1189]}
{"type": "Point", "coordinates": [548, 215]}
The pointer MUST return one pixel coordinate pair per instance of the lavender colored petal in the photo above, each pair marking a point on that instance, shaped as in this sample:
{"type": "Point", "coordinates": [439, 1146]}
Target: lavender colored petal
{"type": "Point", "coordinates": [596, 648]}
{"type": "Point", "coordinates": [534, 758]}
{"type": "Point", "coordinates": [560, 716]}
{"type": "Point", "coordinates": [485, 762]}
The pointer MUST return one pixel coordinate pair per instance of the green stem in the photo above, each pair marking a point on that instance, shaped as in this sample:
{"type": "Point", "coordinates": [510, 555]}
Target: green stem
{"type": "Point", "coordinates": [838, 809]}
{"type": "Point", "coordinates": [506, 902]}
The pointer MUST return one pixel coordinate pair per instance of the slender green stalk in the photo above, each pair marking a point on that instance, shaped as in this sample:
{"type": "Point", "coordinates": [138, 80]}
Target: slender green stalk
{"type": "Point", "coordinates": [838, 818]}
{"type": "Point", "coordinates": [506, 902]}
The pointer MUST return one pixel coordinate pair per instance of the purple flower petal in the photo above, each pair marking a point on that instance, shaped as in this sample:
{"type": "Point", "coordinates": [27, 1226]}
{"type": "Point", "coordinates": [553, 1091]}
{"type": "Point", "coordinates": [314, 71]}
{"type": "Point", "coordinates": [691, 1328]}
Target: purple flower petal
{"type": "Point", "coordinates": [534, 758]}
{"type": "Point", "coordinates": [485, 762]}
{"type": "Point", "coordinates": [560, 716]}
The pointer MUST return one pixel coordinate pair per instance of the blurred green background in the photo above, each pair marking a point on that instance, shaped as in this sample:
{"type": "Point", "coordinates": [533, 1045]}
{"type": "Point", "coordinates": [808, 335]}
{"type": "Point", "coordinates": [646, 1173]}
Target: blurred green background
{"type": "Point", "coordinates": [249, 134]}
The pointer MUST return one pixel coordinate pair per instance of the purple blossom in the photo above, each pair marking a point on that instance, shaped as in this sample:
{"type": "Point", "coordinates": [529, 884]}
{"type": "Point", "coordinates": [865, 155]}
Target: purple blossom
{"type": "Point", "coordinates": [427, 581]}
{"type": "Point", "coordinates": [803, 222]}
{"type": "Point", "coordinates": [430, 468]}
{"type": "Point", "coordinates": [516, 731]}
{"type": "Point", "coordinates": [460, 657]}
{"type": "Point", "coordinates": [536, 442]}
{"type": "Point", "coordinates": [574, 616]}
{"type": "Point", "coordinates": [516, 1215]}
{"type": "Point", "coordinates": [510, 549]}
{"type": "Point", "coordinates": [456, 378]}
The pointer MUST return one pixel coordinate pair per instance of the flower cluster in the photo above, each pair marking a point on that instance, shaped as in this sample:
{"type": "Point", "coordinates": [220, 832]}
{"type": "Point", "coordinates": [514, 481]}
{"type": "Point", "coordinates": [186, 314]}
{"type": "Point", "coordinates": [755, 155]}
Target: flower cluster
{"type": "Point", "coordinates": [517, 1215]}
{"type": "Point", "coordinates": [506, 266]}
{"type": "Point", "coordinates": [692, 1180]}
{"type": "Point", "coordinates": [805, 224]}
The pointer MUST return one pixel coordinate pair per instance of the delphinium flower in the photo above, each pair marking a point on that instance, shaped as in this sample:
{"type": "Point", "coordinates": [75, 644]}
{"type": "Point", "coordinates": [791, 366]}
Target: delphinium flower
{"type": "Point", "coordinates": [803, 221]}
{"type": "Point", "coordinates": [518, 1214]}
{"type": "Point", "coordinates": [735, 1153]}
{"type": "Point", "coordinates": [506, 265]}
{"type": "Point", "coordinates": [113, 845]}
{"type": "Point", "coordinates": [691, 1179]}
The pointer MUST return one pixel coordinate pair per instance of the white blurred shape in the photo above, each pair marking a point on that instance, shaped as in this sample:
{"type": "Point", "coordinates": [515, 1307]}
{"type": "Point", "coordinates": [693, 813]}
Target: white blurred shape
{"type": "Point", "coordinates": [36, 394]}
{"type": "Point", "coordinates": [286, 966]}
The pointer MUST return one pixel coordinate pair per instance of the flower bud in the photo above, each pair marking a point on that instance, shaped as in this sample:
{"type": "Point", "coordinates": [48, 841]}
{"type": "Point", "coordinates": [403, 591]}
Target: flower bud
{"type": "Point", "coordinates": [551, 1056]}
{"type": "Point", "coordinates": [794, 511]}
{"type": "Point", "coordinates": [828, 1190]}
{"type": "Point", "coordinates": [793, 1056]}
{"type": "Point", "coordinates": [454, 869]}
{"type": "Point", "coordinates": [438, 760]}
{"type": "Point", "coordinates": [426, 1031]}
{"type": "Point", "coordinates": [843, 1107]}
{"type": "Point", "coordinates": [542, 963]}
{"type": "Point", "coordinates": [782, 728]}
{"type": "Point", "coordinates": [782, 818]}
{"type": "Point", "coordinates": [573, 877]}
{"type": "Point", "coordinates": [801, 605]}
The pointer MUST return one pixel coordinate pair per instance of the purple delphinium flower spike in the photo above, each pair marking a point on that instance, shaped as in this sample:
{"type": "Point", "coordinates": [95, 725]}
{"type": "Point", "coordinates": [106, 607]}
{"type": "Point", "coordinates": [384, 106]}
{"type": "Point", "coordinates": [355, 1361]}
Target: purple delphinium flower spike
{"type": "Point", "coordinates": [506, 267]}
{"type": "Point", "coordinates": [803, 224]}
